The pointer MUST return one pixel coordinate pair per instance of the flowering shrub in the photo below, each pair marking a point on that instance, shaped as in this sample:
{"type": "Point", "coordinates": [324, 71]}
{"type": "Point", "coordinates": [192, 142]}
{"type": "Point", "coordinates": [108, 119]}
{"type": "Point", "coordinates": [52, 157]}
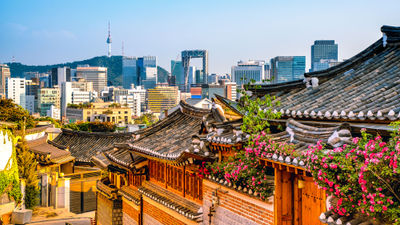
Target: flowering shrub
{"type": "Point", "coordinates": [364, 176]}
{"type": "Point", "coordinates": [244, 170]}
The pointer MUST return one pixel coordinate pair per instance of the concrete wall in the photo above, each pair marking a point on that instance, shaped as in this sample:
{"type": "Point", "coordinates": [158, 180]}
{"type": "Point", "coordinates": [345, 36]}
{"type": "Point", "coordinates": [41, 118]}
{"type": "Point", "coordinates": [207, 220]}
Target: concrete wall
{"type": "Point", "coordinates": [235, 208]}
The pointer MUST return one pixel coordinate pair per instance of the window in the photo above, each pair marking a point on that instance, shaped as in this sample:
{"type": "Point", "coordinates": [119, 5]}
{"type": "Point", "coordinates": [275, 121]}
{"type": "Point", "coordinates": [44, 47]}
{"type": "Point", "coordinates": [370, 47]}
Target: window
{"type": "Point", "coordinates": [175, 178]}
{"type": "Point", "coordinates": [157, 171]}
{"type": "Point", "coordinates": [193, 183]}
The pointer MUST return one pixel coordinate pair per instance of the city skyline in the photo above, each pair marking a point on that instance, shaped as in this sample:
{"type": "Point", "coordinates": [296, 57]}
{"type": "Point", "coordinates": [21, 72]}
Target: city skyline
{"type": "Point", "coordinates": [283, 29]}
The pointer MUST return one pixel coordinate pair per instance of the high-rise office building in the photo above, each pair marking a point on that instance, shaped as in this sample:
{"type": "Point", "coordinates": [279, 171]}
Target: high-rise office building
{"type": "Point", "coordinates": [323, 52]}
{"type": "Point", "coordinates": [287, 68]}
{"type": "Point", "coordinates": [129, 72]}
{"type": "Point", "coordinates": [31, 91]}
{"type": "Point", "coordinates": [4, 75]}
{"type": "Point", "coordinates": [59, 75]}
{"type": "Point", "coordinates": [15, 90]}
{"type": "Point", "coordinates": [139, 71]}
{"type": "Point", "coordinates": [245, 72]}
{"type": "Point", "coordinates": [162, 98]}
{"type": "Point", "coordinates": [177, 72]}
{"type": "Point", "coordinates": [96, 75]}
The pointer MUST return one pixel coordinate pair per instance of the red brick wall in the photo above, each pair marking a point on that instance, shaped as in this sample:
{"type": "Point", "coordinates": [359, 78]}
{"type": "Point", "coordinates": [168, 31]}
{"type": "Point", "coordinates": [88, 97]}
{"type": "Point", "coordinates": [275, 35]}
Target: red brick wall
{"type": "Point", "coordinates": [159, 215]}
{"type": "Point", "coordinates": [234, 206]}
{"type": "Point", "coordinates": [130, 214]}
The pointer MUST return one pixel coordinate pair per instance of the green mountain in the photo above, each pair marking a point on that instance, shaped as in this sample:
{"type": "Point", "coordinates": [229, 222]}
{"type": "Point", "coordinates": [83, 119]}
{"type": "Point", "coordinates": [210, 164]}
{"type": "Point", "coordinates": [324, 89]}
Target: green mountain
{"type": "Point", "coordinates": [113, 63]}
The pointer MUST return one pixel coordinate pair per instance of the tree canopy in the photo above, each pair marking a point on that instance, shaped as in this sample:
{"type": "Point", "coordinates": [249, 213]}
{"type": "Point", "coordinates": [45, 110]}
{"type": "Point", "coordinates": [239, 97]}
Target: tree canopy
{"type": "Point", "coordinates": [11, 112]}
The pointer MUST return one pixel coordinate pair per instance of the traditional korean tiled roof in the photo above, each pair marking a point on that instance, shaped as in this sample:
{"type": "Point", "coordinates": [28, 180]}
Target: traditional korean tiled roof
{"type": "Point", "coordinates": [302, 136]}
{"type": "Point", "coordinates": [365, 87]}
{"type": "Point", "coordinates": [171, 200]}
{"type": "Point", "coordinates": [83, 145]}
{"type": "Point", "coordinates": [118, 156]}
{"type": "Point", "coordinates": [228, 133]}
{"type": "Point", "coordinates": [335, 219]}
{"type": "Point", "coordinates": [130, 194]}
{"type": "Point", "coordinates": [174, 138]}
{"type": "Point", "coordinates": [106, 188]}
{"type": "Point", "coordinates": [231, 108]}
{"type": "Point", "coordinates": [47, 153]}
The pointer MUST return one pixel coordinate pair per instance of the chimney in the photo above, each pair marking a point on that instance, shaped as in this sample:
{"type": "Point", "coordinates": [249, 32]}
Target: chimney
{"type": "Point", "coordinates": [165, 112]}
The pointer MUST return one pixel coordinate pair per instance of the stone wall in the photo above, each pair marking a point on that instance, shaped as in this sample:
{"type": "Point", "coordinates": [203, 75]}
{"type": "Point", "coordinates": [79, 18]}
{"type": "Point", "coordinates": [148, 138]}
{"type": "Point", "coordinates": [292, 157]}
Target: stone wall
{"type": "Point", "coordinates": [104, 210]}
{"type": "Point", "coordinates": [235, 208]}
{"type": "Point", "coordinates": [109, 212]}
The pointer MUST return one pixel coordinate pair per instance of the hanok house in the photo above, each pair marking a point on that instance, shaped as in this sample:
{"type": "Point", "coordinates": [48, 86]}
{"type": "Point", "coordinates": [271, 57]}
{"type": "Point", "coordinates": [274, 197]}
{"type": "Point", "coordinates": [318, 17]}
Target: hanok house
{"type": "Point", "coordinates": [332, 105]}
{"type": "Point", "coordinates": [83, 175]}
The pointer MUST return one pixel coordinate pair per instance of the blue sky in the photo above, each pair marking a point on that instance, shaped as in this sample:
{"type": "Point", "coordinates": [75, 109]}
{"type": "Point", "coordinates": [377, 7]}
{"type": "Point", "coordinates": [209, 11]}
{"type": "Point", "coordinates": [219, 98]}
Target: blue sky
{"type": "Point", "coordinates": [46, 31]}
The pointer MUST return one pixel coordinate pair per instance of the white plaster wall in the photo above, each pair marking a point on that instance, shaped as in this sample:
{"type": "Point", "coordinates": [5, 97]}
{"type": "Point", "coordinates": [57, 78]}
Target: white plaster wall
{"type": "Point", "coordinates": [6, 148]}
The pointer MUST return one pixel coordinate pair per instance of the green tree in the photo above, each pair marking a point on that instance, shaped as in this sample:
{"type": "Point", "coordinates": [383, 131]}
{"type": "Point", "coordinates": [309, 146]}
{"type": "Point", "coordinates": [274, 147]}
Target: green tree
{"type": "Point", "coordinates": [27, 170]}
{"type": "Point", "coordinates": [11, 112]}
{"type": "Point", "coordinates": [147, 118]}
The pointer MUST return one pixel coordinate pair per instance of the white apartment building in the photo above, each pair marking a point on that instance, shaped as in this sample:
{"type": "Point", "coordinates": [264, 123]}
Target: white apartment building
{"type": "Point", "coordinates": [15, 90]}
{"type": "Point", "coordinates": [76, 92]}
{"type": "Point", "coordinates": [131, 98]}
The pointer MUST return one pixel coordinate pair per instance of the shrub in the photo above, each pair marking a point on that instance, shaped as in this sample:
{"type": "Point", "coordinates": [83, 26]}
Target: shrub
{"type": "Point", "coordinates": [364, 176]}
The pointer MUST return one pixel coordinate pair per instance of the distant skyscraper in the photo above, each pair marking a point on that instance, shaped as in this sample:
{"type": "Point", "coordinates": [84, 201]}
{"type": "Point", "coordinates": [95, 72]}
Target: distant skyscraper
{"type": "Point", "coordinates": [60, 75]}
{"type": "Point", "coordinates": [177, 72]}
{"type": "Point", "coordinates": [96, 75]}
{"type": "Point", "coordinates": [323, 52]}
{"type": "Point", "coordinates": [109, 41]}
{"type": "Point", "coordinates": [244, 72]}
{"type": "Point", "coordinates": [4, 75]}
{"type": "Point", "coordinates": [287, 68]}
{"type": "Point", "coordinates": [129, 72]}
{"type": "Point", "coordinates": [141, 71]}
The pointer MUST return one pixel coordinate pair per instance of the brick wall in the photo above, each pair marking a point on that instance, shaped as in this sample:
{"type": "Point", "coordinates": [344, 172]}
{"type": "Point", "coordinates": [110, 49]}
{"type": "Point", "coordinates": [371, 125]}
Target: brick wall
{"type": "Point", "coordinates": [130, 215]}
{"type": "Point", "coordinates": [235, 208]}
{"type": "Point", "coordinates": [104, 210]}
{"type": "Point", "coordinates": [161, 216]}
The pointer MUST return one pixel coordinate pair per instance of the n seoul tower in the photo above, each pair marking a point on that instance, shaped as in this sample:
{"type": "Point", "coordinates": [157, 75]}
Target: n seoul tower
{"type": "Point", "coordinates": [109, 41]}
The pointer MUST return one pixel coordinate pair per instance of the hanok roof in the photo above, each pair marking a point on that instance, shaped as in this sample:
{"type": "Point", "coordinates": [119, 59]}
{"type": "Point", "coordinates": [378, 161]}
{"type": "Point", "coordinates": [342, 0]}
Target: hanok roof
{"type": "Point", "coordinates": [172, 138]}
{"type": "Point", "coordinates": [171, 200]}
{"type": "Point", "coordinates": [83, 145]}
{"type": "Point", "coordinates": [302, 135]}
{"type": "Point", "coordinates": [117, 156]}
{"type": "Point", "coordinates": [366, 86]}
{"type": "Point", "coordinates": [47, 153]}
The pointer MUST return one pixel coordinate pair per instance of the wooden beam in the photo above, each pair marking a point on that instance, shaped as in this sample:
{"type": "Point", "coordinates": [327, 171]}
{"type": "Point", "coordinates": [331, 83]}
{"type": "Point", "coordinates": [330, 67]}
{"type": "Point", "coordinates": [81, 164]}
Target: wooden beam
{"type": "Point", "coordinates": [278, 197]}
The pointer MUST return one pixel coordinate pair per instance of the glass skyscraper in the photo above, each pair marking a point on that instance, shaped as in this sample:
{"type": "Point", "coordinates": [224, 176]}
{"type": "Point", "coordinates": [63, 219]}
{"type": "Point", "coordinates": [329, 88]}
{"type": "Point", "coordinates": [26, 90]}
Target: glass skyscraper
{"type": "Point", "coordinates": [323, 53]}
{"type": "Point", "coordinates": [139, 71]}
{"type": "Point", "coordinates": [287, 68]}
{"type": "Point", "coordinates": [177, 72]}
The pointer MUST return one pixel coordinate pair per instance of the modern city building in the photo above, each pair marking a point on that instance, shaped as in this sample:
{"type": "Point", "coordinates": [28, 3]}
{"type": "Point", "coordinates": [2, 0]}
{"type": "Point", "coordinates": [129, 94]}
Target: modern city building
{"type": "Point", "coordinates": [245, 72]}
{"type": "Point", "coordinates": [96, 75]}
{"type": "Point", "coordinates": [59, 75]}
{"type": "Point", "coordinates": [323, 52]}
{"type": "Point", "coordinates": [15, 90]}
{"type": "Point", "coordinates": [130, 98]}
{"type": "Point", "coordinates": [76, 92]}
{"type": "Point", "coordinates": [139, 71]}
{"type": "Point", "coordinates": [53, 112]}
{"type": "Point", "coordinates": [101, 111]}
{"type": "Point", "coordinates": [4, 75]}
{"type": "Point", "coordinates": [177, 72]}
{"type": "Point", "coordinates": [162, 98]}
{"type": "Point", "coordinates": [223, 88]}
{"type": "Point", "coordinates": [129, 72]}
{"type": "Point", "coordinates": [195, 92]}
{"type": "Point", "coordinates": [31, 93]}
{"type": "Point", "coordinates": [287, 68]}
{"type": "Point", "coordinates": [48, 97]}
